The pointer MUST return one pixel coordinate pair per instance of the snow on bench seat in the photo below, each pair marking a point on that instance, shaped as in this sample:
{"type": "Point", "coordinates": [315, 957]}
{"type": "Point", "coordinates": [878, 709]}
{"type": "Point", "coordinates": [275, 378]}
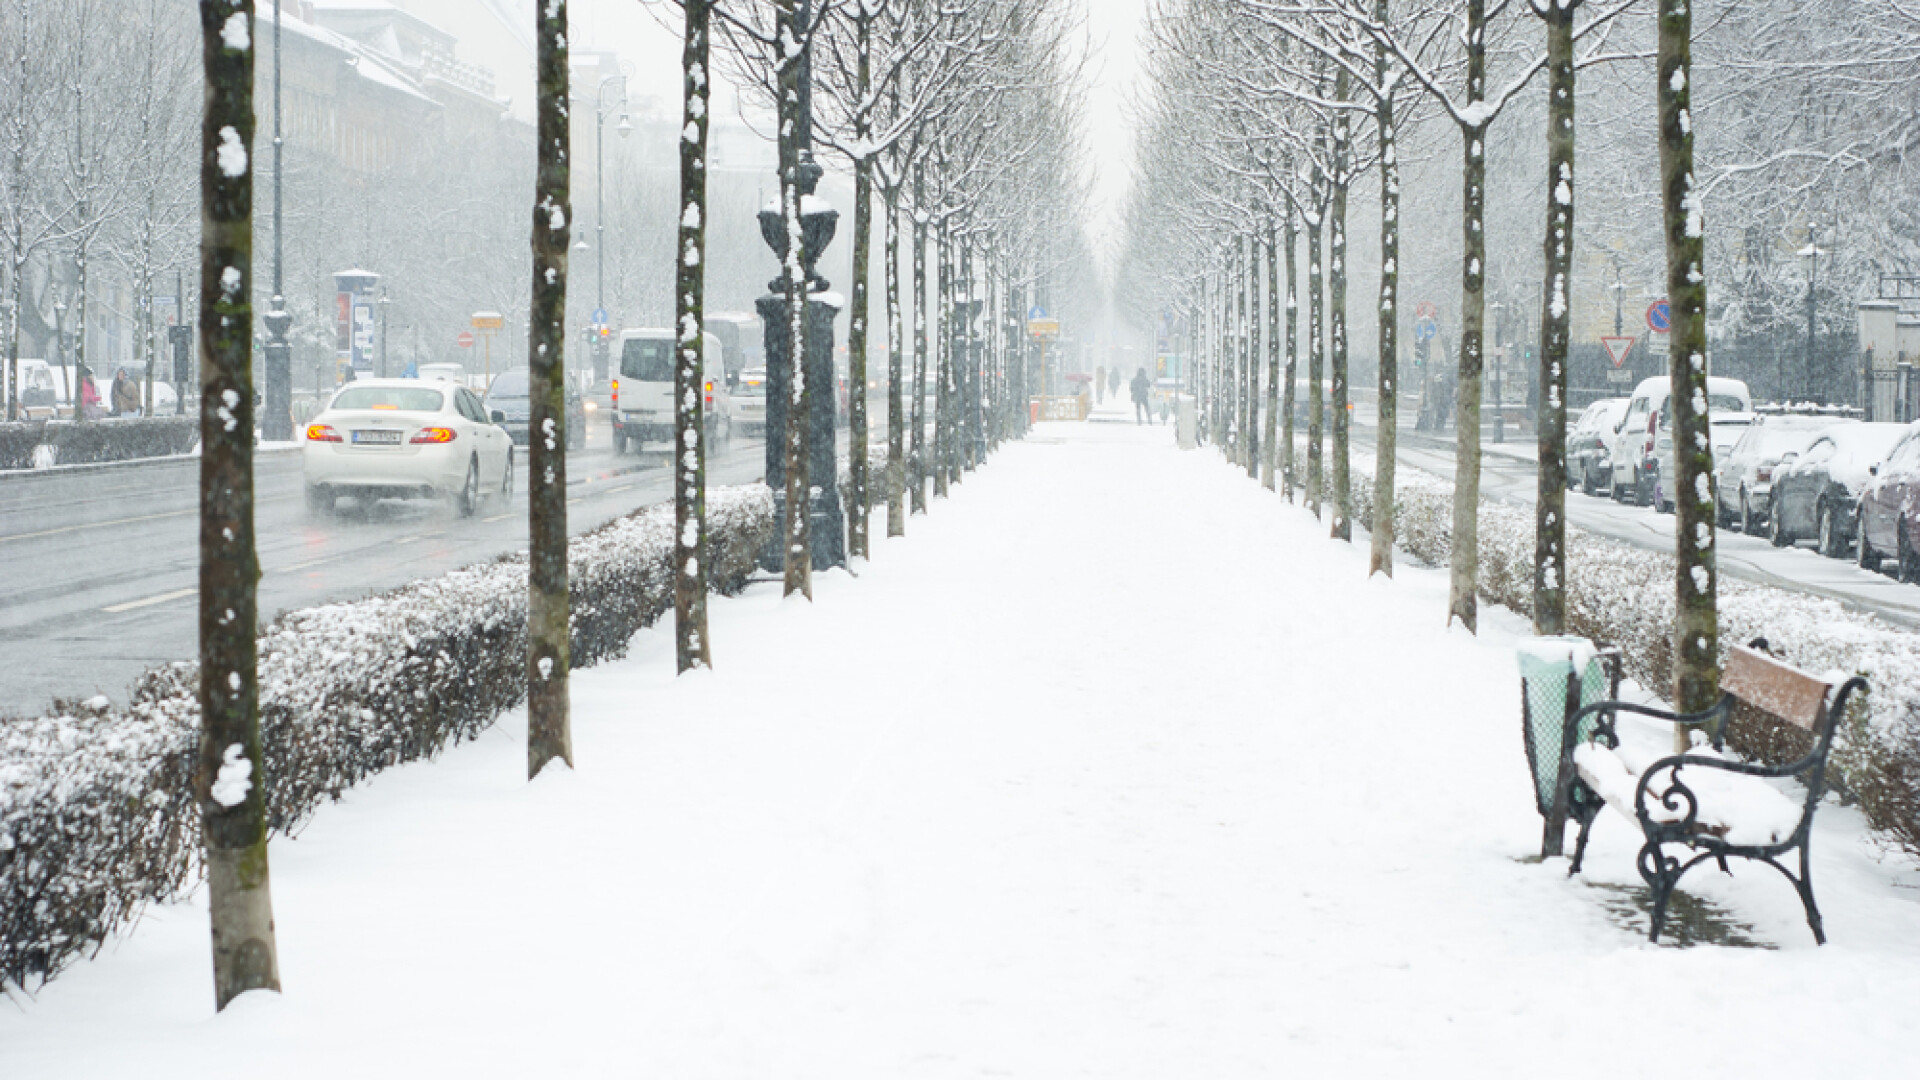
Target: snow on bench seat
{"type": "Point", "coordinates": [1743, 810]}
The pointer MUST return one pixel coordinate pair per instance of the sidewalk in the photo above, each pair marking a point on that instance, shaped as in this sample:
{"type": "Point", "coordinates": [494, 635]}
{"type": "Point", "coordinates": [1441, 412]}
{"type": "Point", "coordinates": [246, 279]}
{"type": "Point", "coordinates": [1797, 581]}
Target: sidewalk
{"type": "Point", "coordinates": [1114, 767]}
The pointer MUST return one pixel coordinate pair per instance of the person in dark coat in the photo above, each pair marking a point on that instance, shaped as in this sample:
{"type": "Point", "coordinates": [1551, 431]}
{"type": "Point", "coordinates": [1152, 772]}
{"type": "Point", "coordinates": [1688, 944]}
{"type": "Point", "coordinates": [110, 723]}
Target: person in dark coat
{"type": "Point", "coordinates": [125, 396]}
{"type": "Point", "coordinates": [1141, 385]}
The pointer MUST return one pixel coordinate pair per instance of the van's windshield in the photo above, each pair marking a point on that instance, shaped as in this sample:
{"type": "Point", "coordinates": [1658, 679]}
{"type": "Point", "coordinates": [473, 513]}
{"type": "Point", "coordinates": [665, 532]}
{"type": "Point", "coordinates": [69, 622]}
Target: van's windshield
{"type": "Point", "coordinates": [647, 359]}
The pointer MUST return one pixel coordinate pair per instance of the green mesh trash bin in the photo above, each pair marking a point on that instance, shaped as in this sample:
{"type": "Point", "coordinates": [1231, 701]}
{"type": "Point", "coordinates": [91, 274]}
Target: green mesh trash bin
{"type": "Point", "coordinates": [1547, 666]}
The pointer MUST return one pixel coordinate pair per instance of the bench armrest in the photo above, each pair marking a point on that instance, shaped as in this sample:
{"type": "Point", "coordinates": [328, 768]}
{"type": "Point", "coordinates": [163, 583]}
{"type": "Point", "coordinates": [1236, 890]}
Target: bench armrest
{"type": "Point", "coordinates": [1606, 711]}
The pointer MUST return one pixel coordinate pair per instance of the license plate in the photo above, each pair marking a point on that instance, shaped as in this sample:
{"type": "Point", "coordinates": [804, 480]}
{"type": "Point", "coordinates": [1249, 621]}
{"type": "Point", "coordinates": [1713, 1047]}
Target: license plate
{"type": "Point", "coordinates": [376, 438]}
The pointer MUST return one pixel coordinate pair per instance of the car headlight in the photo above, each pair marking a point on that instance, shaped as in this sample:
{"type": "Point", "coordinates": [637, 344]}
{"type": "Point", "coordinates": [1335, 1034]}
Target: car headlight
{"type": "Point", "coordinates": [591, 407]}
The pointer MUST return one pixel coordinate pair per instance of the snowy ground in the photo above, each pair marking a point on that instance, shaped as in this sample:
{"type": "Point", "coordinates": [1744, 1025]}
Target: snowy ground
{"type": "Point", "coordinates": [1114, 768]}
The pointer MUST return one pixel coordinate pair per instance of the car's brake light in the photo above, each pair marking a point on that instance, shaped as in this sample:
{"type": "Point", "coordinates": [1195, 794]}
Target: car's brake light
{"type": "Point", "coordinates": [616, 395]}
{"type": "Point", "coordinates": [1763, 473]}
{"type": "Point", "coordinates": [709, 388]}
{"type": "Point", "coordinates": [322, 433]}
{"type": "Point", "coordinates": [433, 435]}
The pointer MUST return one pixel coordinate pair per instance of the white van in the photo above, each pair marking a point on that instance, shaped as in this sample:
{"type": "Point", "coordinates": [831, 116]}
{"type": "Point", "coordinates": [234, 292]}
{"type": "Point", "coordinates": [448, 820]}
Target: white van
{"type": "Point", "coordinates": [642, 398]}
{"type": "Point", "coordinates": [35, 390]}
{"type": "Point", "coordinates": [1636, 464]}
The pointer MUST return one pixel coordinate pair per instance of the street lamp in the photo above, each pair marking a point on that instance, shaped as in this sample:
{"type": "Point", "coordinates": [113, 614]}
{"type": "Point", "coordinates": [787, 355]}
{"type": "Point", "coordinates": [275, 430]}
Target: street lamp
{"type": "Point", "coordinates": [603, 108]}
{"type": "Point", "coordinates": [1811, 256]}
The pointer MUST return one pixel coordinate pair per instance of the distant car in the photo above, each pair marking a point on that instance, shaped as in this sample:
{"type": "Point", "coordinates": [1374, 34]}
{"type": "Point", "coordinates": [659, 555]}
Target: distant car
{"type": "Point", "coordinates": [508, 397]}
{"type": "Point", "coordinates": [1888, 522]}
{"type": "Point", "coordinates": [750, 401]}
{"type": "Point", "coordinates": [1589, 460]}
{"type": "Point", "coordinates": [405, 438]}
{"type": "Point", "coordinates": [453, 373]}
{"type": "Point", "coordinates": [1745, 476]}
{"type": "Point", "coordinates": [1724, 432]}
{"type": "Point", "coordinates": [1818, 494]}
{"type": "Point", "coordinates": [1634, 443]}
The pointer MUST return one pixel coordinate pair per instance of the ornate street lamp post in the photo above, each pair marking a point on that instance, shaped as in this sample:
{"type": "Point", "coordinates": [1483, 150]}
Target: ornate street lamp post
{"type": "Point", "coordinates": [1811, 256]}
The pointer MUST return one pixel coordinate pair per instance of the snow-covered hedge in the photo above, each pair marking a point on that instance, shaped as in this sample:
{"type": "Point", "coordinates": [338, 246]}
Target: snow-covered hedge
{"type": "Point", "coordinates": [26, 445]}
{"type": "Point", "coordinates": [96, 809]}
{"type": "Point", "coordinates": [1625, 596]}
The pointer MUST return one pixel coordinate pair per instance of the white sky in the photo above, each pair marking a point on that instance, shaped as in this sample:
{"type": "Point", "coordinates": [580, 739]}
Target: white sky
{"type": "Point", "coordinates": [1114, 29]}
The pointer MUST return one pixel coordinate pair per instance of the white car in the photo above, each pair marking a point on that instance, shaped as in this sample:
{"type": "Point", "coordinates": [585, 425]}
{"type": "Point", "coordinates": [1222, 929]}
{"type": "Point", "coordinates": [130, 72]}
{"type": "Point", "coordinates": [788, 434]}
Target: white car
{"type": "Point", "coordinates": [642, 397]}
{"type": "Point", "coordinates": [401, 438]}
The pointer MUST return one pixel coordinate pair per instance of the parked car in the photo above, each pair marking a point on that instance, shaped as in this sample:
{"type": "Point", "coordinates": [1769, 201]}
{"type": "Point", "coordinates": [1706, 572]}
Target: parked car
{"type": "Point", "coordinates": [1744, 479]}
{"type": "Point", "coordinates": [1818, 494]}
{"type": "Point", "coordinates": [750, 401]}
{"type": "Point", "coordinates": [1634, 445]}
{"type": "Point", "coordinates": [508, 396]}
{"type": "Point", "coordinates": [1724, 432]}
{"type": "Point", "coordinates": [35, 390]}
{"type": "Point", "coordinates": [401, 438]}
{"type": "Point", "coordinates": [642, 398]}
{"type": "Point", "coordinates": [1888, 522]}
{"type": "Point", "coordinates": [1589, 446]}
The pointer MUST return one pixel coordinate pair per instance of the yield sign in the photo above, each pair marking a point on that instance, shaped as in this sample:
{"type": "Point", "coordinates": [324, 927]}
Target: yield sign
{"type": "Point", "coordinates": [1618, 348]}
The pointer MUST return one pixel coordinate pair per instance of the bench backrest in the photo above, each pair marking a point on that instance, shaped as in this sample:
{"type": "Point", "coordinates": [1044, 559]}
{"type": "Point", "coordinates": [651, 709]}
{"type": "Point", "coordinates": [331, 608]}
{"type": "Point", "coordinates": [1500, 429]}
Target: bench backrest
{"type": "Point", "coordinates": [1774, 687]}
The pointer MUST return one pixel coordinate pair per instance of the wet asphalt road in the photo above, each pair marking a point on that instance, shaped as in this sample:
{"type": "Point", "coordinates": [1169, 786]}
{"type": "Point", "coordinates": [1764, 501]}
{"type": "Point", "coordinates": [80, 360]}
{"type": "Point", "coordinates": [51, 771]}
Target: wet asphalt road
{"type": "Point", "coordinates": [99, 567]}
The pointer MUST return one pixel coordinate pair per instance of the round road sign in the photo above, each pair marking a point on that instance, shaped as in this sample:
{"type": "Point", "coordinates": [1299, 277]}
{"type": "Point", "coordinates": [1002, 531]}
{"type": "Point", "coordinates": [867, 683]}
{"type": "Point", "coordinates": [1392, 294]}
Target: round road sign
{"type": "Point", "coordinates": [465, 340]}
{"type": "Point", "coordinates": [1425, 330]}
{"type": "Point", "coordinates": [1660, 317]}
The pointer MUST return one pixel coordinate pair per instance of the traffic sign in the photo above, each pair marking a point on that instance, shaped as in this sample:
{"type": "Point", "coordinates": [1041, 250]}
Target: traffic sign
{"type": "Point", "coordinates": [1618, 348]}
{"type": "Point", "coordinates": [1660, 317]}
{"type": "Point", "coordinates": [465, 340]}
{"type": "Point", "coordinates": [1044, 328]}
{"type": "Point", "coordinates": [488, 320]}
{"type": "Point", "coordinates": [1426, 329]}
{"type": "Point", "coordinates": [599, 316]}
{"type": "Point", "coordinates": [1425, 309]}
{"type": "Point", "coordinates": [1036, 313]}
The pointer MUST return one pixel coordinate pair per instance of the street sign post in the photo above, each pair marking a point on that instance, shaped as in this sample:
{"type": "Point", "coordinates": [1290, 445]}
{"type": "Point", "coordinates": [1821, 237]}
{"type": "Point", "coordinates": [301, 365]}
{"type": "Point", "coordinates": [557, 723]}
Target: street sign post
{"type": "Point", "coordinates": [488, 323]}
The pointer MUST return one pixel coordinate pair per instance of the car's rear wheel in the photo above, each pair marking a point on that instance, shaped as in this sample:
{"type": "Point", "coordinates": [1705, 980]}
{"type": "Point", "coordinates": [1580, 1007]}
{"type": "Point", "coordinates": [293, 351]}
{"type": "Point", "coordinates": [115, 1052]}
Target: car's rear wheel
{"type": "Point", "coordinates": [1909, 564]}
{"type": "Point", "coordinates": [619, 441]}
{"type": "Point", "coordinates": [467, 500]}
{"type": "Point", "coordinates": [1748, 523]}
{"type": "Point", "coordinates": [1868, 558]}
{"type": "Point", "coordinates": [1832, 545]}
{"type": "Point", "coordinates": [505, 494]}
{"type": "Point", "coordinates": [1642, 490]}
{"type": "Point", "coordinates": [319, 501]}
{"type": "Point", "coordinates": [576, 434]}
{"type": "Point", "coordinates": [1777, 532]}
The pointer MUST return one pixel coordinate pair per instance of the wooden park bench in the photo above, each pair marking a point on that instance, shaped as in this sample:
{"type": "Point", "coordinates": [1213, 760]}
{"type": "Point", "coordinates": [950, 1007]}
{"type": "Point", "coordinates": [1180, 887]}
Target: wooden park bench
{"type": "Point", "coordinates": [1706, 801]}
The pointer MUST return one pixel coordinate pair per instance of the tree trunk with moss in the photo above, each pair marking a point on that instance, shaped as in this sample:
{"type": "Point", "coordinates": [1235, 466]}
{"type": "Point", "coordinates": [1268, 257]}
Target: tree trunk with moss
{"type": "Point", "coordinates": [896, 417]}
{"type": "Point", "coordinates": [549, 730]}
{"type": "Point", "coordinates": [1269, 456]}
{"type": "Point", "coordinates": [1337, 311]}
{"type": "Point", "coordinates": [1288, 475]}
{"type": "Point", "coordinates": [1386, 444]}
{"type": "Point", "coordinates": [1550, 500]}
{"type": "Point", "coordinates": [691, 646]}
{"type": "Point", "coordinates": [859, 513]}
{"type": "Point", "coordinates": [1464, 580]}
{"type": "Point", "coordinates": [1316, 357]}
{"type": "Point", "coordinates": [917, 461]}
{"type": "Point", "coordinates": [229, 781]}
{"type": "Point", "coordinates": [1696, 671]}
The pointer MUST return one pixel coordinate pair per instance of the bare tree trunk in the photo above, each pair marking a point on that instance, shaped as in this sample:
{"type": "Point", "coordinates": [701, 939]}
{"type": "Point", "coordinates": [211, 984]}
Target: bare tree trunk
{"type": "Point", "coordinates": [917, 466]}
{"type": "Point", "coordinates": [692, 648]}
{"type": "Point", "coordinates": [1287, 475]}
{"type": "Point", "coordinates": [799, 545]}
{"type": "Point", "coordinates": [1464, 583]}
{"type": "Point", "coordinates": [859, 514]}
{"type": "Point", "coordinates": [1696, 672]}
{"type": "Point", "coordinates": [943, 368]}
{"type": "Point", "coordinates": [1316, 358]}
{"type": "Point", "coordinates": [896, 418]}
{"type": "Point", "coordinates": [1270, 455]}
{"type": "Point", "coordinates": [549, 729]}
{"type": "Point", "coordinates": [1250, 318]}
{"type": "Point", "coordinates": [229, 782]}
{"type": "Point", "coordinates": [1550, 500]}
{"type": "Point", "coordinates": [1386, 445]}
{"type": "Point", "coordinates": [1337, 283]}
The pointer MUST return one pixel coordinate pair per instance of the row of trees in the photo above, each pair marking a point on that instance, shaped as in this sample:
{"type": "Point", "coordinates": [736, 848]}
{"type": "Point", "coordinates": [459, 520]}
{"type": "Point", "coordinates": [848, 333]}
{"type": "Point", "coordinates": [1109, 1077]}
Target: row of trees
{"type": "Point", "coordinates": [957, 111]}
{"type": "Point", "coordinates": [1269, 117]}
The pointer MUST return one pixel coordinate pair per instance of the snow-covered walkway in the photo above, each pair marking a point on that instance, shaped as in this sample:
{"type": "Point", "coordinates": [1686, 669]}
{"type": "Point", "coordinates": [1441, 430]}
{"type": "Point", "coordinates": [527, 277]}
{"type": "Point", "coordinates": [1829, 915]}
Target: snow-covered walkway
{"type": "Point", "coordinates": [1115, 767]}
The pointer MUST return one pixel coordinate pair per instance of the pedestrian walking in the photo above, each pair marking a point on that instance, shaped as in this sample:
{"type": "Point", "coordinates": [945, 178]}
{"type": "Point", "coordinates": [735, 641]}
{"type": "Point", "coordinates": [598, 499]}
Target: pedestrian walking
{"type": "Point", "coordinates": [89, 394]}
{"type": "Point", "coordinates": [1142, 414]}
{"type": "Point", "coordinates": [125, 396]}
